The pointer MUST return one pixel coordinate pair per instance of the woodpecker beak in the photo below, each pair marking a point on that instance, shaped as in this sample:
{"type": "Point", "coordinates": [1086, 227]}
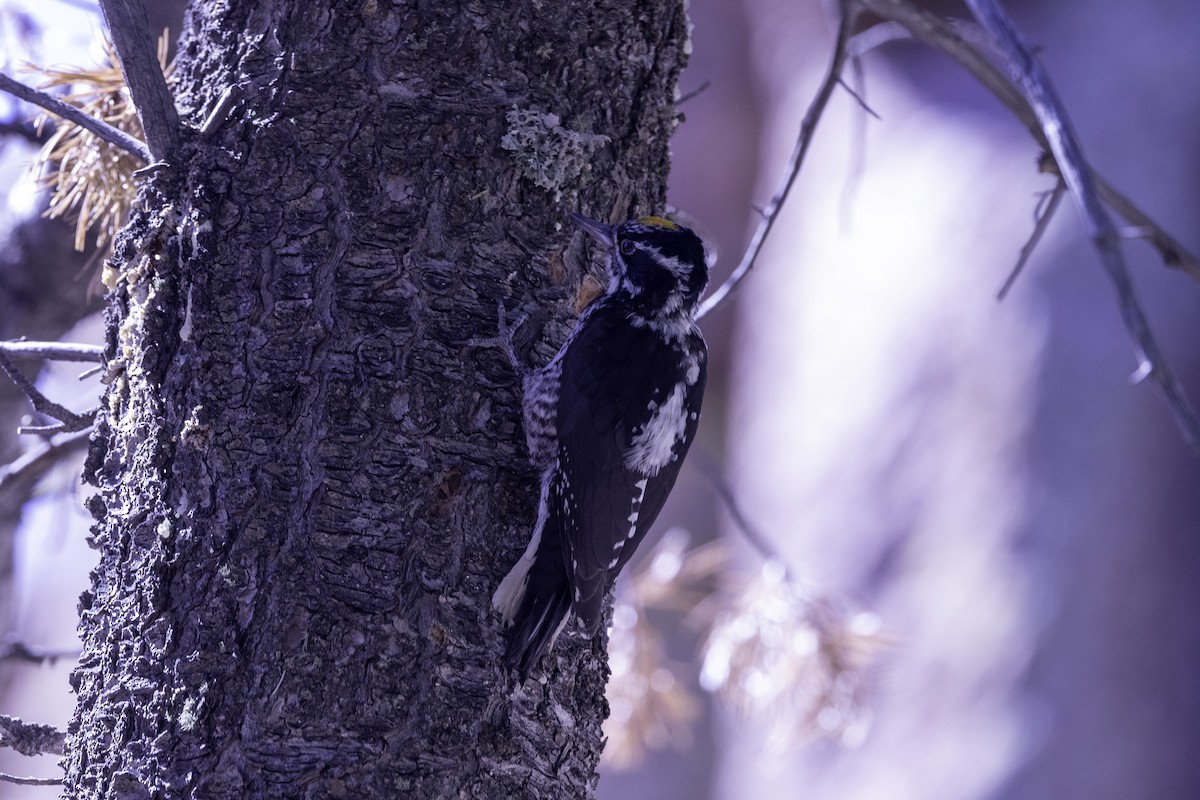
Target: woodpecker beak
{"type": "Point", "coordinates": [603, 233]}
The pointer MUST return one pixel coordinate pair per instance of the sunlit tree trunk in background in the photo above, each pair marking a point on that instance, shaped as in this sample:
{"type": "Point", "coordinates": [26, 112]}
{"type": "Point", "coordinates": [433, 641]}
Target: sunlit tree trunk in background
{"type": "Point", "coordinates": [309, 483]}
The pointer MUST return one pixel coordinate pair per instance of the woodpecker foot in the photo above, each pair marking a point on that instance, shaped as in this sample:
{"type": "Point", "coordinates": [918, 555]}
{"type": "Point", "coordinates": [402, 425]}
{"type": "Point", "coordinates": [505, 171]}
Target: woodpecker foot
{"type": "Point", "coordinates": [503, 341]}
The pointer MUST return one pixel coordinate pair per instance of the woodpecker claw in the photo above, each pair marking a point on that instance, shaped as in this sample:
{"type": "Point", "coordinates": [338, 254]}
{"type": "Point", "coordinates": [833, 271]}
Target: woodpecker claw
{"type": "Point", "coordinates": [503, 340]}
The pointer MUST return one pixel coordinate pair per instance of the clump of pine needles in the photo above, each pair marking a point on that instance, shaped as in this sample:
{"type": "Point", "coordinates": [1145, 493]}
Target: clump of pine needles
{"type": "Point", "coordinates": [91, 181]}
{"type": "Point", "coordinates": [778, 651]}
{"type": "Point", "coordinates": [787, 655]}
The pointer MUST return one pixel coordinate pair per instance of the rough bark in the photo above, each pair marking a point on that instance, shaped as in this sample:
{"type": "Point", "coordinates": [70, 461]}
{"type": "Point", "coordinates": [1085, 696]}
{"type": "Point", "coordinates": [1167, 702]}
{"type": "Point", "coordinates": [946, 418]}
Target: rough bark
{"type": "Point", "coordinates": [309, 484]}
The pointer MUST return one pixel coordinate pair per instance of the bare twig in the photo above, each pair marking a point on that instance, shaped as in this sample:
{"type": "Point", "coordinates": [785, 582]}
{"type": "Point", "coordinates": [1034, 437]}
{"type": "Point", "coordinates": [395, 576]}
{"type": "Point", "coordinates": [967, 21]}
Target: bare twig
{"type": "Point", "coordinates": [25, 130]}
{"type": "Point", "coordinates": [31, 466]}
{"type": "Point", "coordinates": [52, 351]}
{"type": "Point", "coordinates": [129, 28]}
{"type": "Point", "coordinates": [1077, 175]}
{"type": "Point", "coordinates": [1173, 253]}
{"type": "Point", "coordinates": [85, 422]}
{"type": "Point", "coordinates": [694, 93]}
{"type": "Point", "coordinates": [30, 738]}
{"type": "Point", "coordinates": [67, 111]}
{"type": "Point", "coordinates": [875, 36]}
{"type": "Point", "coordinates": [19, 651]}
{"type": "Point", "coordinates": [6, 778]}
{"type": "Point", "coordinates": [857, 92]}
{"type": "Point", "coordinates": [42, 404]}
{"type": "Point", "coordinates": [1043, 215]}
{"type": "Point", "coordinates": [709, 469]}
{"type": "Point", "coordinates": [858, 141]}
{"type": "Point", "coordinates": [833, 77]}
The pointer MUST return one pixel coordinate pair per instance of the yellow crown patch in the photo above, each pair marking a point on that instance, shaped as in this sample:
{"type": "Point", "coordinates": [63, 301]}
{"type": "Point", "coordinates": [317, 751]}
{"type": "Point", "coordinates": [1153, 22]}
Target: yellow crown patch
{"type": "Point", "coordinates": [659, 222]}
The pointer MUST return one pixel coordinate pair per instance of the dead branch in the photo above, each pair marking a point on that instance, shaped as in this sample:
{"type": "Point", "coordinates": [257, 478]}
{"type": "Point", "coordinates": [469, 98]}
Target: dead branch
{"type": "Point", "coordinates": [44, 405]}
{"type": "Point", "coordinates": [1075, 172]}
{"type": "Point", "coordinates": [23, 472]}
{"type": "Point", "coordinates": [52, 351]}
{"type": "Point", "coordinates": [30, 738]}
{"type": "Point", "coordinates": [944, 36]}
{"type": "Point", "coordinates": [1042, 216]}
{"type": "Point", "coordinates": [5, 777]}
{"type": "Point", "coordinates": [129, 28]}
{"type": "Point", "coordinates": [67, 111]}
{"type": "Point", "coordinates": [13, 650]}
{"type": "Point", "coordinates": [808, 126]}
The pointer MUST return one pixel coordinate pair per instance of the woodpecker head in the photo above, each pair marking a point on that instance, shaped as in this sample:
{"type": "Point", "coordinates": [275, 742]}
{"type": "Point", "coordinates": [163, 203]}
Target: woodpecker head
{"type": "Point", "coordinates": [660, 265]}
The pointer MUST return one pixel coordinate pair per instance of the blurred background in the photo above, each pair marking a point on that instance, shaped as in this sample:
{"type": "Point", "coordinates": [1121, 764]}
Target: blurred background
{"type": "Point", "coordinates": [979, 476]}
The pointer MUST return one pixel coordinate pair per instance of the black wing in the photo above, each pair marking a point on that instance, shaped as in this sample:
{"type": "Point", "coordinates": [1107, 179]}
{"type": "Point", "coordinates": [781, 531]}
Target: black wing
{"type": "Point", "coordinates": [619, 375]}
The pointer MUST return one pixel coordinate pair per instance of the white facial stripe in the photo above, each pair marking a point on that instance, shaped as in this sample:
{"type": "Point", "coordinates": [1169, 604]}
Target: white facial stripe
{"type": "Point", "coordinates": [671, 263]}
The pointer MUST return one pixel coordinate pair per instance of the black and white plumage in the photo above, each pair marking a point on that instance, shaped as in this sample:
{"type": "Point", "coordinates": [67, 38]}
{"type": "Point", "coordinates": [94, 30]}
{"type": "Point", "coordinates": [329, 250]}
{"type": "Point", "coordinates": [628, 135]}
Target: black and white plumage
{"type": "Point", "coordinates": [608, 422]}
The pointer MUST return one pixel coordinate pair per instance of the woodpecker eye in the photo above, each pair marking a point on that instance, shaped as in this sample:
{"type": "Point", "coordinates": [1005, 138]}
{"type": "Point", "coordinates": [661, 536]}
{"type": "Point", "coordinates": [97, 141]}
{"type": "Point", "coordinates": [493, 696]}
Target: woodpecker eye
{"type": "Point", "coordinates": [628, 247]}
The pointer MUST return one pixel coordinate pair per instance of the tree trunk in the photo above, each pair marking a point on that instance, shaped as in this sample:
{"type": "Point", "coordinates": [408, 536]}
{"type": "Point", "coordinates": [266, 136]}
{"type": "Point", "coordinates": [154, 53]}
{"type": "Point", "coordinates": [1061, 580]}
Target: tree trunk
{"type": "Point", "coordinates": [309, 483]}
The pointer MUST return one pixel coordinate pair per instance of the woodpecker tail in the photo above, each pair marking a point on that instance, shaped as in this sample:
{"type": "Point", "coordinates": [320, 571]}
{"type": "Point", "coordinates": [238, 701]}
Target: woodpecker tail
{"type": "Point", "coordinates": [535, 600]}
{"type": "Point", "coordinates": [542, 616]}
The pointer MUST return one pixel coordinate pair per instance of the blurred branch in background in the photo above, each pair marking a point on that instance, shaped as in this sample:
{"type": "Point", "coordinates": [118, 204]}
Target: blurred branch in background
{"type": "Point", "coordinates": [22, 130]}
{"type": "Point", "coordinates": [19, 477]}
{"type": "Point", "coordinates": [30, 739]}
{"type": "Point", "coordinates": [70, 421]}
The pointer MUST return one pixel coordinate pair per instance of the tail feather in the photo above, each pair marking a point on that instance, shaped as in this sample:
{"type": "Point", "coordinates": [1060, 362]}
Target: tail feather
{"type": "Point", "coordinates": [534, 599]}
{"type": "Point", "coordinates": [538, 622]}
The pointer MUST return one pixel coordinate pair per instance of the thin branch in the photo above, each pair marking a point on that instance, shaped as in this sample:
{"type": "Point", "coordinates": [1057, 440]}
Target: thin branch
{"type": "Point", "coordinates": [694, 93]}
{"type": "Point", "coordinates": [85, 421]}
{"type": "Point", "coordinates": [833, 77]}
{"type": "Point", "coordinates": [42, 404]}
{"type": "Point", "coordinates": [31, 466]}
{"type": "Point", "coordinates": [6, 778]}
{"type": "Point", "coordinates": [1173, 254]}
{"type": "Point", "coordinates": [1074, 169]}
{"type": "Point", "coordinates": [31, 738]}
{"type": "Point", "coordinates": [1043, 215]}
{"type": "Point", "coordinates": [858, 141]}
{"type": "Point", "coordinates": [19, 651]}
{"type": "Point", "coordinates": [52, 351]}
{"type": "Point", "coordinates": [24, 130]}
{"type": "Point", "coordinates": [129, 28]}
{"type": "Point", "coordinates": [67, 111]}
{"type": "Point", "coordinates": [709, 469]}
{"type": "Point", "coordinates": [875, 36]}
{"type": "Point", "coordinates": [858, 94]}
